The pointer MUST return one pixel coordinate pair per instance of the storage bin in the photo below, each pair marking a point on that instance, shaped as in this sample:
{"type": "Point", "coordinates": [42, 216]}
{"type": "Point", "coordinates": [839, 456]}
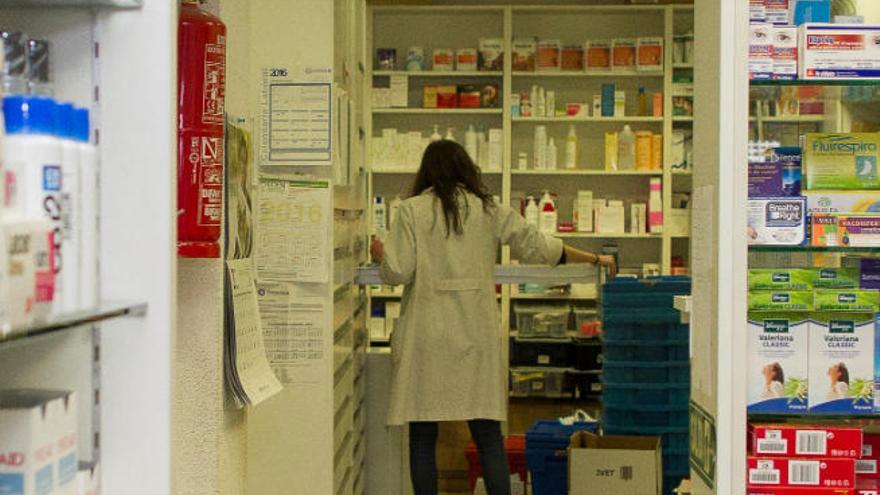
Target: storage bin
{"type": "Point", "coordinates": [652, 351]}
{"type": "Point", "coordinates": [622, 395]}
{"type": "Point", "coordinates": [671, 438]}
{"type": "Point", "coordinates": [616, 330]}
{"type": "Point", "coordinates": [642, 293]}
{"type": "Point", "coordinates": [516, 458]}
{"type": "Point", "coordinates": [587, 355]}
{"type": "Point", "coordinates": [537, 382]}
{"type": "Point", "coordinates": [540, 352]}
{"type": "Point", "coordinates": [547, 454]}
{"type": "Point", "coordinates": [542, 321]}
{"type": "Point", "coordinates": [586, 384]}
{"type": "Point", "coordinates": [584, 316]}
{"type": "Point", "coordinates": [646, 372]}
{"type": "Point", "coordinates": [668, 416]}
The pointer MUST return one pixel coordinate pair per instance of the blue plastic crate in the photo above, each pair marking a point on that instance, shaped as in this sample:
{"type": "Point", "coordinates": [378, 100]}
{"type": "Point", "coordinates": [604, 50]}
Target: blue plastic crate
{"type": "Point", "coordinates": [670, 416]}
{"type": "Point", "coordinates": [675, 463]}
{"type": "Point", "coordinates": [672, 438]}
{"type": "Point", "coordinates": [647, 332]}
{"type": "Point", "coordinates": [617, 314]}
{"type": "Point", "coordinates": [623, 395]}
{"type": "Point", "coordinates": [650, 292]}
{"type": "Point", "coordinates": [648, 351]}
{"type": "Point", "coordinates": [547, 454]}
{"type": "Point", "coordinates": [647, 372]}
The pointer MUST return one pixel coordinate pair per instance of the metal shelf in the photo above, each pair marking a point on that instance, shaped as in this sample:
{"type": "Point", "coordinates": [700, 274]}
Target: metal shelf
{"type": "Point", "coordinates": [116, 4]}
{"type": "Point", "coordinates": [106, 311]}
{"type": "Point", "coordinates": [538, 120]}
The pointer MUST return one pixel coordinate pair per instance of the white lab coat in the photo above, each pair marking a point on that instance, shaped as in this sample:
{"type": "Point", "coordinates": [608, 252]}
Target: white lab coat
{"type": "Point", "coordinates": [447, 347]}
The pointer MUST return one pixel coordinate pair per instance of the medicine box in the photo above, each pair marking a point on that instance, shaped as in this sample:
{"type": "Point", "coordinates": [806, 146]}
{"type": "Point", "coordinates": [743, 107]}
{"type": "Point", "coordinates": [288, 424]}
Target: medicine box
{"type": "Point", "coordinates": [778, 344]}
{"type": "Point", "coordinates": [805, 11]}
{"type": "Point", "coordinates": [38, 439]}
{"type": "Point", "coordinates": [785, 52]}
{"type": "Point", "coordinates": [866, 465]}
{"type": "Point", "coordinates": [777, 221]}
{"type": "Point", "coordinates": [835, 278]}
{"type": "Point", "coordinates": [781, 279]}
{"type": "Point", "coordinates": [845, 230]}
{"type": "Point", "coordinates": [524, 51]}
{"type": "Point", "coordinates": [846, 300]}
{"type": "Point", "coordinates": [786, 440]}
{"type": "Point", "coordinates": [18, 256]}
{"type": "Point", "coordinates": [623, 54]}
{"type": "Point", "coordinates": [649, 55]}
{"type": "Point", "coordinates": [757, 11]}
{"type": "Point", "coordinates": [843, 202]}
{"type": "Point", "coordinates": [839, 51]}
{"type": "Point", "coordinates": [842, 363]}
{"type": "Point", "coordinates": [597, 54]}
{"type": "Point", "coordinates": [761, 51]}
{"type": "Point", "coordinates": [780, 300]}
{"type": "Point", "coordinates": [842, 161]}
{"type": "Point", "coordinates": [869, 273]}
{"type": "Point", "coordinates": [801, 473]}
{"type": "Point", "coordinates": [784, 490]}
{"type": "Point", "coordinates": [777, 11]}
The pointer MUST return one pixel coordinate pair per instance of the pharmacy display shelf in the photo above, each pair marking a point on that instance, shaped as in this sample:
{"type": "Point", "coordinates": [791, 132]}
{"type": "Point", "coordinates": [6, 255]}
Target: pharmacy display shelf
{"type": "Point", "coordinates": [683, 118]}
{"type": "Point", "coordinates": [539, 120]}
{"type": "Point", "coordinates": [856, 419]}
{"type": "Point", "coordinates": [106, 311]}
{"type": "Point", "coordinates": [86, 4]}
{"type": "Point", "coordinates": [679, 65]}
{"type": "Point", "coordinates": [551, 297]}
{"type": "Point", "coordinates": [386, 294]}
{"type": "Point", "coordinates": [791, 119]}
{"type": "Point", "coordinates": [439, 111]}
{"type": "Point", "coordinates": [438, 73]}
{"type": "Point", "coordinates": [596, 172]}
{"type": "Point", "coordinates": [575, 73]}
{"type": "Point", "coordinates": [816, 82]}
{"type": "Point", "coordinates": [589, 235]}
{"type": "Point", "coordinates": [816, 249]}
{"type": "Point", "coordinates": [411, 171]}
{"type": "Point", "coordinates": [687, 173]}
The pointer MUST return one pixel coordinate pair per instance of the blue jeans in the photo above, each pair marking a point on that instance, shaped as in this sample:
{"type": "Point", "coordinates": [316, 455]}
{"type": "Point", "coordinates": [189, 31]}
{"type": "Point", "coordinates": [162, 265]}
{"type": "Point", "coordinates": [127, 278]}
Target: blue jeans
{"type": "Point", "coordinates": [490, 444]}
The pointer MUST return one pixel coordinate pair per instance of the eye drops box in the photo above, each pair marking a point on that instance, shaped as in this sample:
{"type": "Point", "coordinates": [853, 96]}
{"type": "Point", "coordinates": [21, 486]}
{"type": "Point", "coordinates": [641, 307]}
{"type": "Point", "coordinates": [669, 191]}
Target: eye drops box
{"type": "Point", "coordinates": [778, 344]}
{"type": "Point", "coordinates": [760, 51]}
{"type": "Point", "coordinates": [807, 474]}
{"type": "Point", "coordinates": [786, 440]}
{"type": "Point", "coordinates": [38, 439]}
{"type": "Point", "coordinates": [842, 348]}
{"type": "Point", "coordinates": [785, 52]}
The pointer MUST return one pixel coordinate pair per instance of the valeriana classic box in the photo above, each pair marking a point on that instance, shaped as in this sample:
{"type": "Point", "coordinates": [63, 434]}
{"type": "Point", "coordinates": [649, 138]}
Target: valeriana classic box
{"type": "Point", "coordinates": [842, 348]}
{"type": "Point", "coordinates": [778, 371]}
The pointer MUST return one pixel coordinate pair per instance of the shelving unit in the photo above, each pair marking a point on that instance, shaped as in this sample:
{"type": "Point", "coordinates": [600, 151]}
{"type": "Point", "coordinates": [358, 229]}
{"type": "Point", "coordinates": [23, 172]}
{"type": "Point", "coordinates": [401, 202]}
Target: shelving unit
{"type": "Point", "coordinates": [62, 323]}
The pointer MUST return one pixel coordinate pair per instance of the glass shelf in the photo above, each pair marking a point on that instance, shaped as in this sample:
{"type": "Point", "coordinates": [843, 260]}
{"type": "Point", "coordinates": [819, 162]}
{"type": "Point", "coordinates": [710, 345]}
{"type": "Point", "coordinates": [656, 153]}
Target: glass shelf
{"type": "Point", "coordinates": [106, 311]}
{"type": "Point", "coordinates": [117, 4]}
{"type": "Point", "coordinates": [816, 82]}
{"type": "Point", "coordinates": [814, 249]}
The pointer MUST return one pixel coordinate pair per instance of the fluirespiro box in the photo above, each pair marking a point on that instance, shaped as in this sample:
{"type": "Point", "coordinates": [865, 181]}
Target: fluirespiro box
{"type": "Point", "coordinates": [847, 300]}
{"type": "Point", "coordinates": [839, 51]}
{"type": "Point", "coordinates": [780, 279]}
{"type": "Point", "coordinates": [842, 161]}
{"type": "Point", "coordinates": [781, 300]}
{"type": "Point", "coordinates": [778, 345]}
{"type": "Point", "coordinates": [842, 363]}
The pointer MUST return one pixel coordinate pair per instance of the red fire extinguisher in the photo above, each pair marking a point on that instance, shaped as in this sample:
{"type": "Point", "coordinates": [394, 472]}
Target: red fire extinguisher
{"type": "Point", "coordinates": [201, 119]}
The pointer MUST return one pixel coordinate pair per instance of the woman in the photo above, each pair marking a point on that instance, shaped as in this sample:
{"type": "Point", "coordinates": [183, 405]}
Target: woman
{"type": "Point", "coordinates": [839, 375]}
{"type": "Point", "coordinates": [774, 381]}
{"type": "Point", "coordinates": [446, 350]}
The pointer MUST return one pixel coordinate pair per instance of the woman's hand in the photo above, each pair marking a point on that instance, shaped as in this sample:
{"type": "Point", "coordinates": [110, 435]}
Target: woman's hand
{"type": "Point", "coordinates": [609, 263]}
{"type": "Point", "coordinates": [377, 249]}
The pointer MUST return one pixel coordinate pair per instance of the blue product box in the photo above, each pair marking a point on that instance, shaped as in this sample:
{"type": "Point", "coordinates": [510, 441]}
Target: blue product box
{"type": "Point", "coordinates": [608, 100]}
{"type": "Point", "coordinates": [765, 179]}
{"type": "Point", "coordinates": [790, 160]}
{"type": "Point", "coordinates": [812, 11]}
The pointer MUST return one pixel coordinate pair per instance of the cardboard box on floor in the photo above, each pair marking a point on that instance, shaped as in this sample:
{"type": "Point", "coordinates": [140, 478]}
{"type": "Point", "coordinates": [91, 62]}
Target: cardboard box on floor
{"type": "Point", "coordinates": [614, 465]}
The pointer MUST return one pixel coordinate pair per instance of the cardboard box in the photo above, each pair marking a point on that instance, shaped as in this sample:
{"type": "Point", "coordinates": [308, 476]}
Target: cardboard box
{"type": "Point", "coordinates": [839, 51]}
{"type": "Point", "coordinates": [797, 491]}
{"type": "Point", "coordinates": [614, 465]}
{"type": "Point", "coordinates": [760, 51]}
{"type": "Point", "coordinates": [778, 372]}
{"type": "Point", "coordinates": [38, 438]}
{"type": "Point", "coordinates": [835, 278]}
{"type": "Point", "coordinates": [785, 52]}
{"type": "Point", "coordinates": [18, 261]}
{"type": "Point", "coordinates": [842, 363]}
{"type": "Point", "coordinates": [850, 300]}
{"type": "Point", "coordinates": [777, 221]}
{"type": "Point", "coordinates": [867, 466]}
{"type": "Point", "coordinates": [842, 161]}
{"type": "Point", "coordinates": [845, 230]}
{"type": "Point", "coordinates": [805, 441]}
{"type": "Point", "coordinates": [845, 202]}
{"type": "Point", "coordinates": [780, 279]}
{"type": "Point", "coordinates": [801, 473]}
{"type": "Point", "coordinates": [781, 300]}
{"type": "Point", "coordinates": [524, 51]}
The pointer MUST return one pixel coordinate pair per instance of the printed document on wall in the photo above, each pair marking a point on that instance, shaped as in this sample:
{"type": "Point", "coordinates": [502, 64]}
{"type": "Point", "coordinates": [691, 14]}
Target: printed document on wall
{"type": "Point", "coordinates": [293, 230]}
{"type": "Point", "coordinates": [294, 327]}
{"type": "Point", "coordinates": [251, 378]}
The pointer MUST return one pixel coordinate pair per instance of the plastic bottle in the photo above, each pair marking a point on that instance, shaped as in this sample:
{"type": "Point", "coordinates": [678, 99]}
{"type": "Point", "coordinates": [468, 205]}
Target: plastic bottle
{"type": "Point", "coordinates": [540, 147]}
{"type": "Point", "coordinates": [470, 143]}
{"type": "Point", "coordinates": [380, 217]}
{"type": "Point", "coordinates": [449, 135]}
{"type": "Point", "coordinates": [655, 206]}
{"type": "Point", "coordinates": [548, 217]}
{"type": "Point", "coordinates": [39, 82]}
{"type": "Point", "coordinates": [531, 211]}
{"type": "Point", "coordinates": [626, 155]}
{"type": "Point", "coordinates": [34, 175]}
{"type": "Point", "coordinates": [13, 76]}
{"type": "Point", "coordinates": [533, 98]}
{"type": "Point", "coordinates": [70, 208]}
{"type": "Point", "coordinates": [552, 154]}
{"type": "Point", "coordinates": [88, 194]}
{"type": "Point", "coordinates": [436, 135]}
{"type": "Point", "coordinates": [550, 104]}
{"type": "Point", "coordinates": [643, 102]}
{"type": "Point", "coordinates": [571, 148]}
{"type": "Point", "coordinates": [540, 105]}
{"type": "Point", "coordinates": [526, 106]}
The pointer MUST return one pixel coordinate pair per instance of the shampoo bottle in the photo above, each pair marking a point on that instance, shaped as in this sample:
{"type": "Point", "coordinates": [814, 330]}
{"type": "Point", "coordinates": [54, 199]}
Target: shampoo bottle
{"type": "Point", "coordinates": [571, 149]}
{"type": "Point", "coordinates": [531, 212]}
{"type": "Point", "coordinates": [626, 156]}
{"type": "Point", "coordinates": [88, 194]}
{"type": "Point", "coordinates": [547, 221]}
{"type": "Point", "coordinates": [552, 154]}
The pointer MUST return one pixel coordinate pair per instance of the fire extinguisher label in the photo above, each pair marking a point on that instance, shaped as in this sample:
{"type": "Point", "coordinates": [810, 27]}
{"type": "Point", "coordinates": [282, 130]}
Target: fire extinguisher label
{"type": "Point", "coordinates": [206, 156]}
{"type": "Point", "coordinates": [215, 82]}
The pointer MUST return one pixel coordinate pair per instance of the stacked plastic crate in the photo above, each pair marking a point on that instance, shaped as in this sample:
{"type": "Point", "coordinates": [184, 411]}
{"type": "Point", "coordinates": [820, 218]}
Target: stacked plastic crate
{"type": "Point", "coordinates": [646, 368]}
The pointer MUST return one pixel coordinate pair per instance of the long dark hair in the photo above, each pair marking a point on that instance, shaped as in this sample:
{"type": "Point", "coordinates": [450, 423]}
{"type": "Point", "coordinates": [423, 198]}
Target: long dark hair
{"type": "Point", "coordinates": [446, 167]}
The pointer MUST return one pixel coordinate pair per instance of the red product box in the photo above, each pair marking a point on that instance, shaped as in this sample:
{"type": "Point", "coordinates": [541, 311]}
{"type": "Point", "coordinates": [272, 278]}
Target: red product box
{"type": "Point", "coordinates": [867, 486]}
{"type": "Point", "coordinates": [798, 491]}
{"type": "Point", "coordinates": [805, 441]}
{"type": "Point", "coordinates": [801, 473]}
{"type": "Point", "coordinates": [867, 467]}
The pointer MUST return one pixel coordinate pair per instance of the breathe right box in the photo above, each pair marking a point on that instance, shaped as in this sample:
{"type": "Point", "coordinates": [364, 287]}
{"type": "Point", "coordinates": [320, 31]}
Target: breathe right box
{"type": "Point", "coordinates": [778, 344]}
{"type": "Point", "coordinates": [841, 161]}
{"type": "Point", "coordinates": [842, 349]}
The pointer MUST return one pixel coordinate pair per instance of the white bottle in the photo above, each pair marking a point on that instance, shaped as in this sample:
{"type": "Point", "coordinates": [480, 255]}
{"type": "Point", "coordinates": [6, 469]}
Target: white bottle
{"type": "Point", "coordinates": [34, 177]}
{"type": "Point", "coordinates": [88, 194]}
{"type": "Point", "coordinates": [541, 103]}
{"type": "Point", "coordinates": [533, 99]}
{"type": "Point", "coordinates": [547, 217]}
{"type": "Point", "coordinates": [571, 148]}
{"type": "Point", "coordinates": [550, 104]}
{"type": "Point", "coordinates": [552, 154]}
{"type": "Point", "coordinates": [626, 155]}
{"type": "Point", "coordinates": [655, 206]}
{"type": "Point", "coordinates": [380, 217]}
{"type": "Point", "coordinates": [449, 136]}
{"type": "Point", "coordinates": [436, 136]}
{"type": "Point", "coordinates": [540, 147]}
{"type": "Point", "coordinates": [70, 208]}
{"type": "Point", "coordinates": [531, 211]}
{"type": "Point", "coordinates": [471, 145]}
